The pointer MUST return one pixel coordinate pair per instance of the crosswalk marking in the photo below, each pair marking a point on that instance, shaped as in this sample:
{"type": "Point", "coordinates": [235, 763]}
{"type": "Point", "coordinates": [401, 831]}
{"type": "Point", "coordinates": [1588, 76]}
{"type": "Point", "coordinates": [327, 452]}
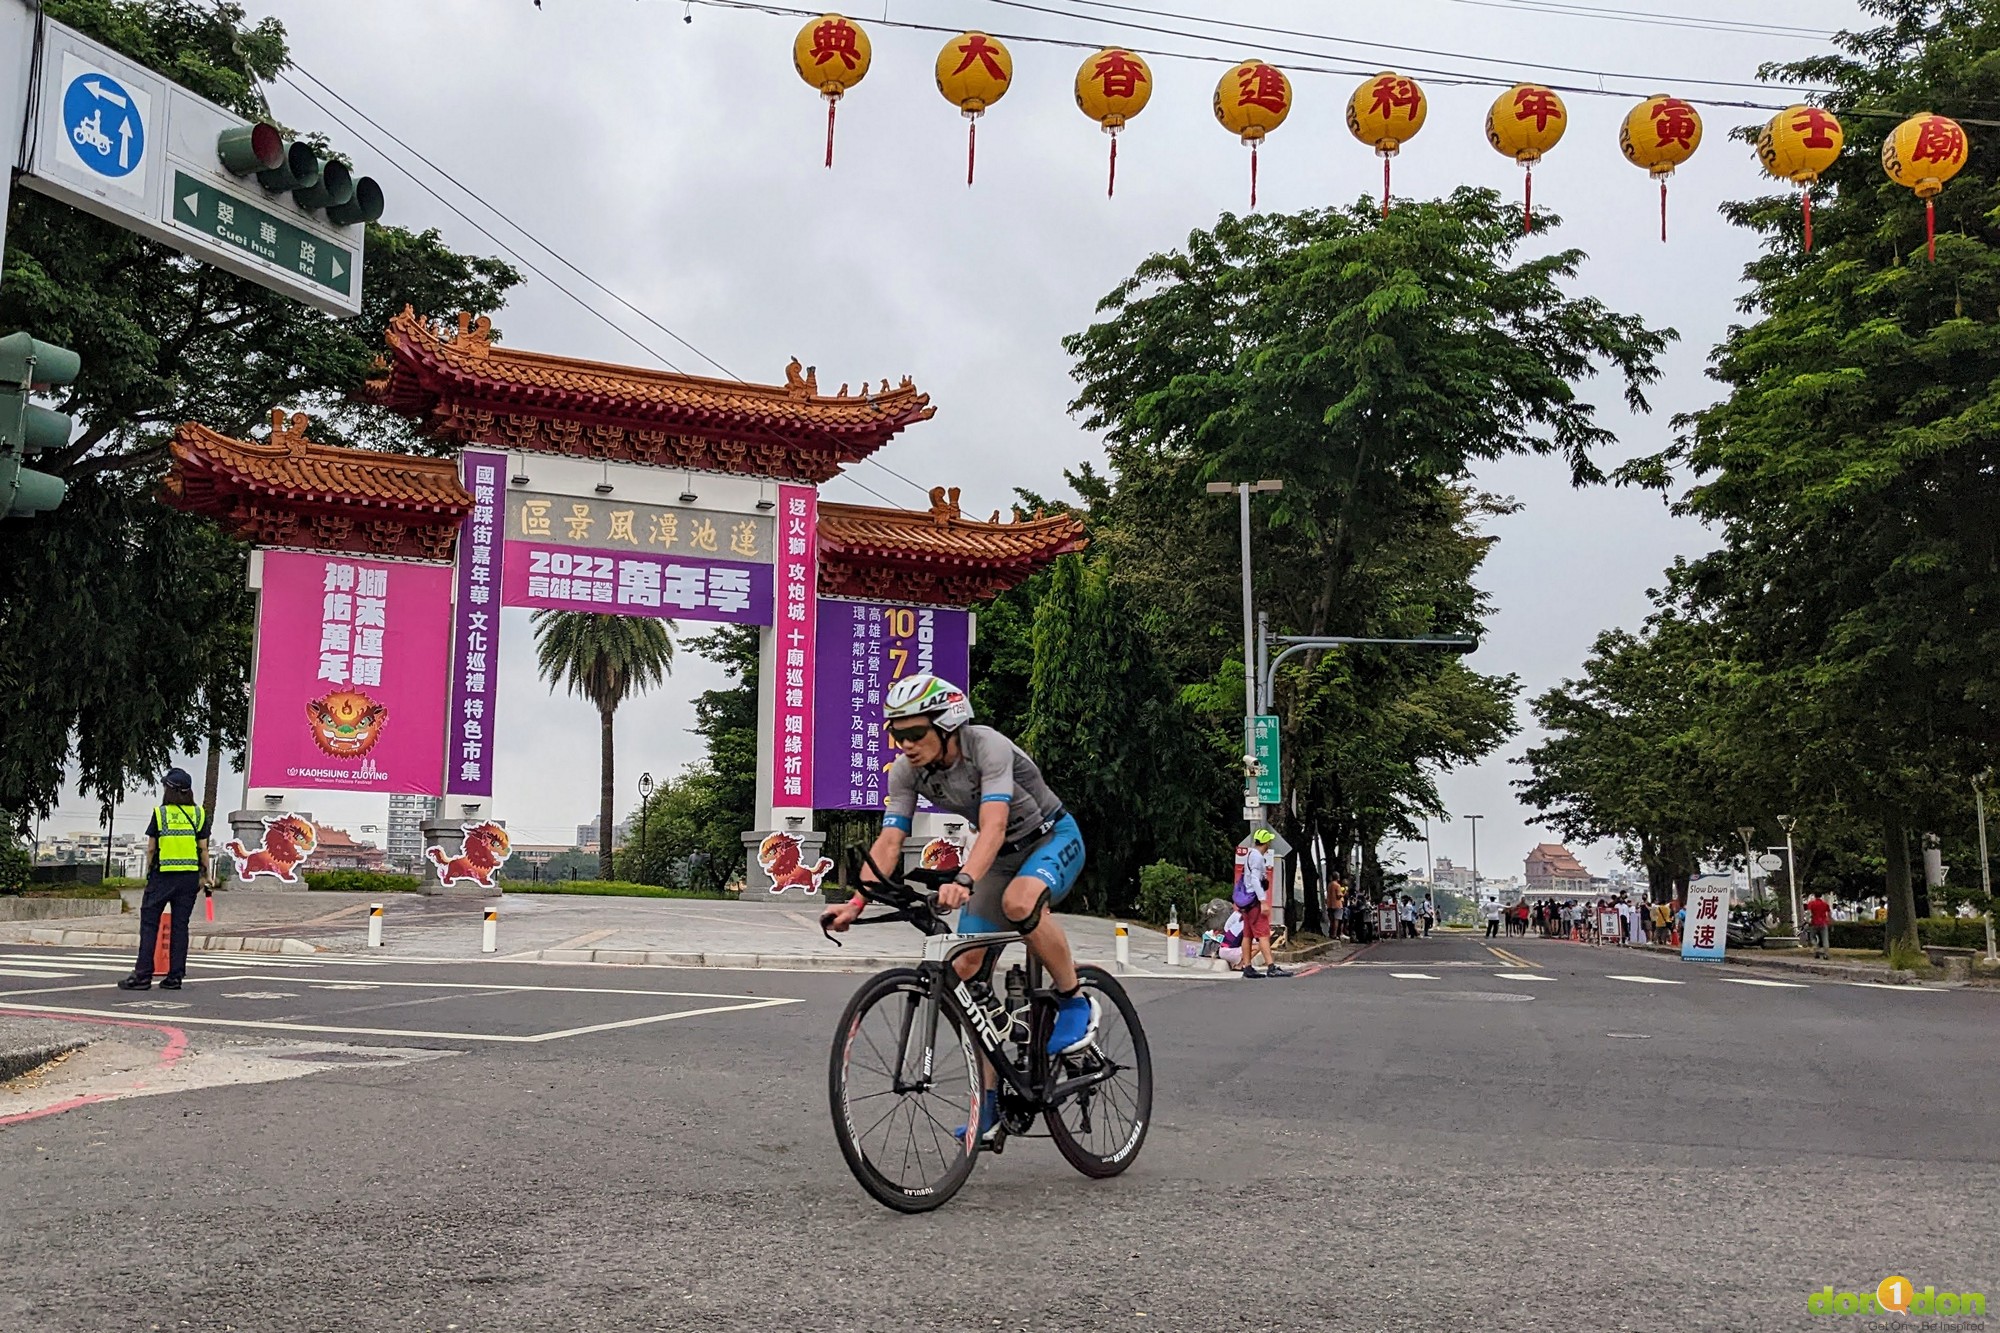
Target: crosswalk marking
{"type": "Point", "coordinates": [1759, 981]}
{"type": "Point", "coordinates": [1645, 981]}
{"type": "Point", "coordinates": [1414, 976]}
{"type": "Point", "coordinates": [1522, 976]}
{"type": "Point", "coordinates": [46, 976]}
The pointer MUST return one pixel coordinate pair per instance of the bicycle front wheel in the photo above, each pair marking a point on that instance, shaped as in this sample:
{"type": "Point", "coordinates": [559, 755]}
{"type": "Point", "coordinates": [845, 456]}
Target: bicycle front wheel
{"type": "Point", "coordinates": [893, 1118]}
{"type": "Point", "coordinates": [1100, 1129]}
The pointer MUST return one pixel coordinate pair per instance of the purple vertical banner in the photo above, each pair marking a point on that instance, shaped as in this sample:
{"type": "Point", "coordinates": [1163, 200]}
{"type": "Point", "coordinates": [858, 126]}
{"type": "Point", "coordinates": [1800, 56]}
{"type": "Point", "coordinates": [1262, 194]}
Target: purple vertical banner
{"type": "Point", "coordinates": [797, 578]}
{"type": "Point", "coordinates": [475, 629]}
{"type": "Point", "coordinates": [864, 648]}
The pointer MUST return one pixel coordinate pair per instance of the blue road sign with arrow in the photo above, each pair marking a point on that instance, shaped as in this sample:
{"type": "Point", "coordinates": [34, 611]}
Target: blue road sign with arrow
{"type": "Point", "coordinates": [104, 124]}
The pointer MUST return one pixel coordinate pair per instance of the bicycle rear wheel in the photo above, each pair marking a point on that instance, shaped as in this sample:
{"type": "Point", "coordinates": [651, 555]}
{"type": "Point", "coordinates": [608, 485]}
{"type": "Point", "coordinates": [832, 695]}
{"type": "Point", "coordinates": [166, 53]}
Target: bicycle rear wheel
{"type": "Point", "coordinates": [899, 1143]}
{"type": "Point", "coordinates": [1099, 1130]}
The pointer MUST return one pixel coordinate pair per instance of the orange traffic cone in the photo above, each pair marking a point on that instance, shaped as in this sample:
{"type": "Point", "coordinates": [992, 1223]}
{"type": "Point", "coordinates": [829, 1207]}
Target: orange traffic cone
{"type": "Point", "coordinates": [163, 953]}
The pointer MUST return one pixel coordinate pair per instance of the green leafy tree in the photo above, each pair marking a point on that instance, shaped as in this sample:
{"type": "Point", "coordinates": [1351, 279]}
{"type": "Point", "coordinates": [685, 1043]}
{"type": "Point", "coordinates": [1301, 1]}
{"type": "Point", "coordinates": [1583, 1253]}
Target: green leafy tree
{"type": "Point", "coordinates": [1853, 470]}
{"type": "Point", "coordinates": [606, 660]}
{"type": "Point", "coordinates": [158, 596]}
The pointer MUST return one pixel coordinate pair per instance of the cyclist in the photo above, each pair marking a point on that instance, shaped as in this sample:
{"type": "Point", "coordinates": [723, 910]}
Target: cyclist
{"type": "Point", "coordinates": [1025, 858]}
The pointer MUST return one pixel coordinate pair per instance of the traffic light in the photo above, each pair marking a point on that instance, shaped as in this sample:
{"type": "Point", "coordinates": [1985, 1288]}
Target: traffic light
{"type": "Point", "coordinates": [294, 168]}
{"type": "Point", "coordinates": [27, 364]}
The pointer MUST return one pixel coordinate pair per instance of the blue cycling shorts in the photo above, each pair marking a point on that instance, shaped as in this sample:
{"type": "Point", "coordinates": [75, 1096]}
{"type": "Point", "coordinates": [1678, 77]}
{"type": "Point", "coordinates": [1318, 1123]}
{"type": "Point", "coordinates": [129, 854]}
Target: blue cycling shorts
{"type": "Point", "coordinates": [1056, 861]}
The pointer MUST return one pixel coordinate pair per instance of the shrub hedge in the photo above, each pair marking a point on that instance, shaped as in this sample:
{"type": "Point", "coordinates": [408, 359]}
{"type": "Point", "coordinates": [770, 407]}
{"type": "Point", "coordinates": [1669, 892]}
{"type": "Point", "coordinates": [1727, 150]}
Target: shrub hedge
{"type": "Point", "coordinates": [608, 888]}
{"type": "Point", "coordinates": [1164, 885]}
{"type": "Point", "coordinates": [360, 881]}
{"type": "Point", "coordinates": [1947, 932]}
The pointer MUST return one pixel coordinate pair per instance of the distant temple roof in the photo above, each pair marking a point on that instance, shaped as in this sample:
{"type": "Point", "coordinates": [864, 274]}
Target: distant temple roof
{"type": "Point", "coordinates": [939, 556]}
{"type": "Point", "coordinates": [468, 388]}
{"type": "Point", "coordinates": [287, 490]}
{"type": "Point", "coordinates": [1557, 862]}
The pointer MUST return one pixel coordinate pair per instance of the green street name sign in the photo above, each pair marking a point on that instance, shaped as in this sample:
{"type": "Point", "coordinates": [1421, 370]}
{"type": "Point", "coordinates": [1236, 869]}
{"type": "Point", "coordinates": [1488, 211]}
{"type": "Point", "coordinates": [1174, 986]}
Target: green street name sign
{"type": "Point", "coordinates": [1265, 732]}
{"type": "Point", "coordinates": [257, 231]}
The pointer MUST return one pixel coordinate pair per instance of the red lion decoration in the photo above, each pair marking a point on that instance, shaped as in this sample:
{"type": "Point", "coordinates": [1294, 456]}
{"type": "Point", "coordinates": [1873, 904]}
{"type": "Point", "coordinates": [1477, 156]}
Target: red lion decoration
{"type": "Point", "coordinates": [779, 855]}
{"type": "Point", "coordinates": [486, 850]}
{"type": "Point", "coordinates": [287, 841]}
{"type": "Point", "coordinates": [941, 854]}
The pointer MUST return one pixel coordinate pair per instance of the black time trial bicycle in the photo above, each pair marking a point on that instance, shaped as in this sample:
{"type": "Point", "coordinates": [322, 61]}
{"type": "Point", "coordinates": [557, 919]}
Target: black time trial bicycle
{"type": "Point", "coordinates": [917, 1046]}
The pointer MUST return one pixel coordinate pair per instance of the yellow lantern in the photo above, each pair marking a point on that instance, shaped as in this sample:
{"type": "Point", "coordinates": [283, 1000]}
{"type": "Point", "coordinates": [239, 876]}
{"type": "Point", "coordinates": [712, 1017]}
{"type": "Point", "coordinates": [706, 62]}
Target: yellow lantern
{"type": "Point", "coordinates": [1385, 113]}
{"type": "Point", "coordinates": [831, 53]}
{"type": "Point", "coordinates": [973, 72]}
{"type": "Point", "coordinates": [1113, 86]}
{"type": "Point", "coordinates": [1526, 121]}
{"type": "Point", "coordinates": [1253, 99]}
{"type": "Point", "coordinates": [1925, 151]}
{"type": "Point", "coordinates": [1659, 134]}
{"type": "Point", "coordinates": [1797, 145]}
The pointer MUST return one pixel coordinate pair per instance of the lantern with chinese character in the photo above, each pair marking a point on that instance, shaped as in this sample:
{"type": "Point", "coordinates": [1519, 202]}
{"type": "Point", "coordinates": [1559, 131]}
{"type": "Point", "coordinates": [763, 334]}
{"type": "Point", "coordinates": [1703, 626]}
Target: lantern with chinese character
{"type": "Point", "coordinates": [1113, 86]}
{"type": "Point", "coordinates": [973, 72]}
{"type": "Point", "coordinates": [1925, 151]}
{"type": "Point", "coordinates": [1252, 100]}
{"type": "Point", "coordinates": [1659, 134]}
{"type": "Point", "coordinates": [1524, 123]}
{"type": "Point", "coordinates": [1385, 113]}
{"type": "Point", "coordinates": [831, 53]}
{"type": "Point", "coordinates": [1797, 145]}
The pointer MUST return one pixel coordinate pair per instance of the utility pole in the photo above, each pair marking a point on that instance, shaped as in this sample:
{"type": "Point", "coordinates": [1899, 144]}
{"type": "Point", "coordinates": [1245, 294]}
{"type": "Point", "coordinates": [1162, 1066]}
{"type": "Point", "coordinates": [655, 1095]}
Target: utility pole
{"type": "Point", "coordinates": [1985, 870]}
{"type": "Point", "coordinates": [1252, 809]}
{"type": "Point", "coordinates": [1788, 823]}
{"type": "Point", "coordinates": [1744, 831]}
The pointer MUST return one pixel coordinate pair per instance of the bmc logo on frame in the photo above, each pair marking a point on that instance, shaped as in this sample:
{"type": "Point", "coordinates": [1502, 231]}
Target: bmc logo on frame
{"type": "Point", "coordinates": [1897, 1295]}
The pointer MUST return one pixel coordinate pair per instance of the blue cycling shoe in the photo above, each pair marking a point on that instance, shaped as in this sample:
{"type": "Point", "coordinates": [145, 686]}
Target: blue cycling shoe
{"type": "Point", "coordinates": [1075, 1026]}
{"type": "Point", "coordinates": [989, 1117]}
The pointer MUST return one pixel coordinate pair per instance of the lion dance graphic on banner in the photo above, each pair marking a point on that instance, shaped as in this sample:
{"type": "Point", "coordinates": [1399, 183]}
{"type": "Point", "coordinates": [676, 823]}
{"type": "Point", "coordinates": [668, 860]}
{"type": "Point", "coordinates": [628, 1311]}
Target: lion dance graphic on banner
{"type": "Point", "coordinates": [486, 850]}
{"type": "Point", "coordinates": [346, 723]}
{"type": "Point", "coordinates": [782, 860]}
{"type": "Point", "coordinates": [941, 854]}
{"type": "Point", "coordinates": [287, 841]}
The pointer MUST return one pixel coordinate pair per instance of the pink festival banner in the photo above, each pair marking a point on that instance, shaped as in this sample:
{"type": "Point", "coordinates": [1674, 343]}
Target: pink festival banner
{"type": "Point", "coordinates": [352, 663]}
{"type": "Point", "coordinates": [795, 626]}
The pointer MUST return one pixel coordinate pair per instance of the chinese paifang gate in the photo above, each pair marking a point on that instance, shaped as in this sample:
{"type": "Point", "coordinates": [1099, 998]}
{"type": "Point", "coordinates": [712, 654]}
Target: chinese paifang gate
{"type": "Point", "coordinates": [578, 485]}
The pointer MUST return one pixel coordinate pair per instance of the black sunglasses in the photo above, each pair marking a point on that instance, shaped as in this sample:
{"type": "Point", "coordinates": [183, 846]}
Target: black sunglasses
{"type": "Point", "coordinates": [904, 735]}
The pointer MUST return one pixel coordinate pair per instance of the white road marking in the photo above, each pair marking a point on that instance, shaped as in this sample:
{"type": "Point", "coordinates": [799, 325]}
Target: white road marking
{"type": "Point", "coordinates": [1759, 981]}
{"type": "Point", "coordinates": [1414, 976]}
{"type": "Point", "coordinates": [1522, 976]}
{"type": "Point", "coordinates": [1645, 981]}
{"type": "Point", "coordinates": [260, 995]}
{"type": "Point", "coordinates": [1884, 985]}
{"type": "Point", "coordinates": [511, 1038]}
{"type": "Point", "coordinates": [24, 972]}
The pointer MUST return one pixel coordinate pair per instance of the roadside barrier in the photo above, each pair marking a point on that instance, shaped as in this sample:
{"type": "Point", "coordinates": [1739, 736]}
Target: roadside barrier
{"type": "Point", "coordinates": [374, 925]}
{"type": "Point", "coordinates": [163, 953]}
{"type": "Point", "coordinates": [1122, 946]}
{"type": "Point", "coordinates": [490, 934]}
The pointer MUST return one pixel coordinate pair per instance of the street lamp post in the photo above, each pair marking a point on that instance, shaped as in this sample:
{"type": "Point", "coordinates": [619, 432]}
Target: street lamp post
{"type": "Point", "coordinates": [645, 800]}
{"type": "Point", "coordinates": [1253, 810]}
{"type": "Point", "coordinates": [1744, 831]}
{"type": "Point", "coordinates": [1788, 823]}
{"type": "Point", "coordinates": [1477, 900]}
{"type": "Point", "coordinates": [1985, 870]}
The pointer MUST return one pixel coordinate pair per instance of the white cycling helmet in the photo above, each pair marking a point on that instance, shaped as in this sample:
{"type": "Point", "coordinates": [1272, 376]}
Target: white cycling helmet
{"type": "Point", "coordinates": [928, 696]}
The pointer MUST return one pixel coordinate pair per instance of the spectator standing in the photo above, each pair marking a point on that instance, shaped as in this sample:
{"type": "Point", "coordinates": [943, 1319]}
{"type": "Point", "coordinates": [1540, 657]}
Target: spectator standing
{"type": "Point", "coordinates": [1258, 874]}
{"type": "Point", "coordinates": [176, 870]}
{"type": "Point", "coordinates": [1336, 904]}
{"type": "Point", "coordinates": [1820, 919]}
{"type": "Point", "coordinates": [1408, 916]}
{"type": "Point", "coordinates": [1492, 918]}
{"type": "Point", "coordinates": [1430, 915]}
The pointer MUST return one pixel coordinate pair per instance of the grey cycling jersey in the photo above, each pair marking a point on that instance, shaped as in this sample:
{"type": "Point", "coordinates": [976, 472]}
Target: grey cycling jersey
{"type": "Point", "coordinates": [990, 769]}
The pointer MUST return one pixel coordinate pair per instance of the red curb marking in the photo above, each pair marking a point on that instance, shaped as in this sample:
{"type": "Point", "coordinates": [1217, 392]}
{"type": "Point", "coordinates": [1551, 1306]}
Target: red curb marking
{"type": "Point", "coordinates": [176, 1047]}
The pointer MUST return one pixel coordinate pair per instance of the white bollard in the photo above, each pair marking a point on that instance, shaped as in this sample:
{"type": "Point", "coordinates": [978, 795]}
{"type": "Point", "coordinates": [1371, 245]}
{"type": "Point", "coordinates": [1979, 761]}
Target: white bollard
{"type": "Point", "coordinates": [1173, 937]}
{"type": "Point", "coordinates": [374, 925]}
{"type": "Point", "coordinates": [489, 939]}
{"type": "Point", "coordinates": [1123, 945]}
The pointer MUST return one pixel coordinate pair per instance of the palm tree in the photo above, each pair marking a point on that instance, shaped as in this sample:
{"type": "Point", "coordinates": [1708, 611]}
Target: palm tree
{"type": "Point", "coordinates": [604, 659]}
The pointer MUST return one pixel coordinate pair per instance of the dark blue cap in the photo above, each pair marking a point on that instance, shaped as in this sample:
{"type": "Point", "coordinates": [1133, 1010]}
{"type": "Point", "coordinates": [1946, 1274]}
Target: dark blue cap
{"type": "Point", "coordinates": [177, 777]}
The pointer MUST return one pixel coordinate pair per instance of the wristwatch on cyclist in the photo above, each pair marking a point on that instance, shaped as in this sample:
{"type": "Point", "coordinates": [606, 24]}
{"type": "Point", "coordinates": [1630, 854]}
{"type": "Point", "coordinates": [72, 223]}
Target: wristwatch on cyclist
{"type": "Point", "coordinates": [962, 878]}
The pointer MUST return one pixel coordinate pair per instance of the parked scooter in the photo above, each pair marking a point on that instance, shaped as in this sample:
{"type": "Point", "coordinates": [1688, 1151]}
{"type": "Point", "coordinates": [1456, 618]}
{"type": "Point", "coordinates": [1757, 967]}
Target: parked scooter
{"type": "Point", "coordinates": [1747, 928]}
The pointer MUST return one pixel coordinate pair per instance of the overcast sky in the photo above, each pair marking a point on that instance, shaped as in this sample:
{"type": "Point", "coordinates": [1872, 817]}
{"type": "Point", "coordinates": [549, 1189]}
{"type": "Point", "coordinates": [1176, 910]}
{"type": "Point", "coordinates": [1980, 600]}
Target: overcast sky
{"type": "Point", "coordinates": [679, 163]}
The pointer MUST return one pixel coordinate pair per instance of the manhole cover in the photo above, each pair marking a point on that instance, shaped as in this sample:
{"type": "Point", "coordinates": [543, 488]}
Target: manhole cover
{"type": "Point", "coordinates": [336, 1057]}
{"type": "Point", "coordinates": [1487, 996]}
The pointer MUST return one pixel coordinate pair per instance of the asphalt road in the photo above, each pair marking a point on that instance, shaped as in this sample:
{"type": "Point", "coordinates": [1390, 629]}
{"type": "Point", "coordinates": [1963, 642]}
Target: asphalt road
{"type": "Point", "coordinates": [1431, 1137]}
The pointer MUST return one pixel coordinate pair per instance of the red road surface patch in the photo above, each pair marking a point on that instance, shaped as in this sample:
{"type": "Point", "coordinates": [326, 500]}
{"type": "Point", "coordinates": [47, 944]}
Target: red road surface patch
{"type": "Point", "coordinates": [176, 1047]}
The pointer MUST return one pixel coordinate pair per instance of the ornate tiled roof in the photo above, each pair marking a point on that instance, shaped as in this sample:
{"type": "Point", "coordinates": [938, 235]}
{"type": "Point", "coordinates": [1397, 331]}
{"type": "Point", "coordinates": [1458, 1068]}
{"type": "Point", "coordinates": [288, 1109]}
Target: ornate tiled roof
{"type": "Point", "coordinates": [466, 387]}
{"type": "Point", "coordinates": [289, 491]}
{"type": "Point", "coordinates": [935, 556]}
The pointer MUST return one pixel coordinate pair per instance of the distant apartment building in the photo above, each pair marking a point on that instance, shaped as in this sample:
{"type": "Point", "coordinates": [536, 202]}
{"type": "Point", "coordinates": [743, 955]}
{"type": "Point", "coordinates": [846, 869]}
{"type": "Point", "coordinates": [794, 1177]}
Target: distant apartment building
{"type": "Point", "coordinates": [586, 835]}
{"type": "Point", "coordinates": [404, 839]}
{"type": "Point", "coordinates": [1552, 867]}
{"type": "Point", "coordinates": [1445, 875]}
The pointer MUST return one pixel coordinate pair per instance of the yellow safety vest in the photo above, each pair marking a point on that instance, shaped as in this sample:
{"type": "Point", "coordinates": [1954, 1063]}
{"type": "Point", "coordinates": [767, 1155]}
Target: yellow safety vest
{"type": "Point", "coordinates": [180, 837]}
